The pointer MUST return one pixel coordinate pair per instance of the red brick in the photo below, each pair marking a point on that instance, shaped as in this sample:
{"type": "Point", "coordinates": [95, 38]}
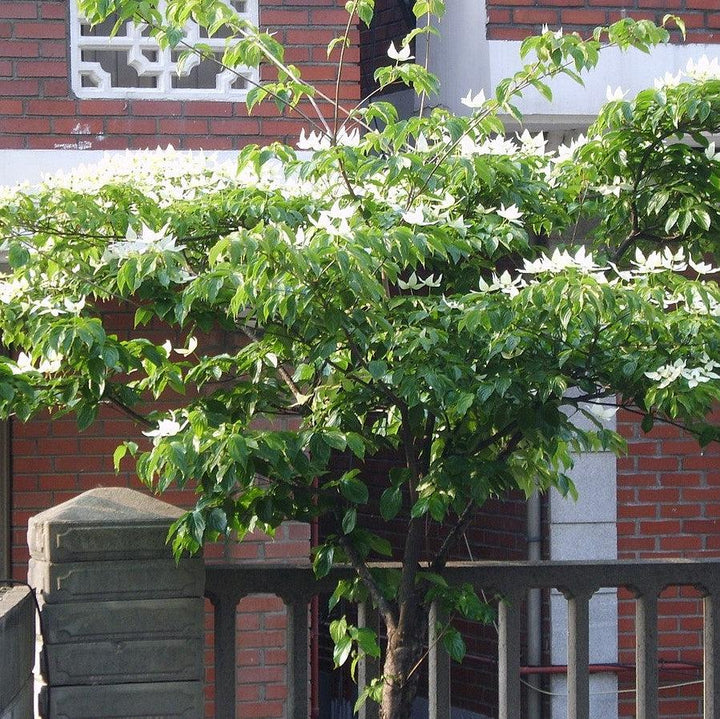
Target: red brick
{"type": "Point", "coordinates": [131, 125]}
{"type": "Point", "coordinates": [102, 107]}
{"type": "Point", "coordinates": [53, 11]}
{"type": "Point", "coordinates": [18, 10]}
{"type": "Point", "coordinates": [285, 17]}
{"type": "Point", "coordinates": [583, 17]}
{"type": "Point", "coordinates": [79, 127]}
{"type": "Point", "coordinates": [40, 30]}
{"type": "Point", "coordinates": [51, 107]}
{"type": "Point", "coordinates": [701, 526]}
{"type": "Point", "coordinates": [681, 544]}
{"type": "Point", "coordinates": [197, 108]}
{"type": "Point", "coordinates": [209, 142]}
{"type": "Point", "coordinates": [18, 48]}
{"type": "Point", "coordinates": [55, 88]}
{"type": "Point", "coordinates": [183, 126]}
{"type": "Point", "coordinates": [524, 16]}
{"type": "Point", "coordinates": [657, 463]}
{"type": "Point", "coordinates": [25, 125]}
{"type": "Point", "coordinates": [661, 526]}
{"type": "Point", "coordinates": [11, 107]}
{"type": "Point", "coordinates": [156, 108]}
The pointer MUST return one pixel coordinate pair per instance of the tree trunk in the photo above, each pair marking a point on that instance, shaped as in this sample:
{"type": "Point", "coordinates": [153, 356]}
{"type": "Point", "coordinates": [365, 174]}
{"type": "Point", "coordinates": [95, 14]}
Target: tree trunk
{"type": "Point", "coordinates": [405, 651]}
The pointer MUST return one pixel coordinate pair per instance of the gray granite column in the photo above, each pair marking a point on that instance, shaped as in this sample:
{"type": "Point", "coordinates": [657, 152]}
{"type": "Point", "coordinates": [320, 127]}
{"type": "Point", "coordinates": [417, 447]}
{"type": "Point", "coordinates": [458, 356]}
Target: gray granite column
{"type": "Point", "coordinates": [123, 622]}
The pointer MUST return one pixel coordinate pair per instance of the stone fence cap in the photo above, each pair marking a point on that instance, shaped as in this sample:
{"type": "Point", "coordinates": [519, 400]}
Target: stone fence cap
{"type": "Point", "coordinates": [102, 523]}
{"type": "Point", "coordinates": [110, 505]}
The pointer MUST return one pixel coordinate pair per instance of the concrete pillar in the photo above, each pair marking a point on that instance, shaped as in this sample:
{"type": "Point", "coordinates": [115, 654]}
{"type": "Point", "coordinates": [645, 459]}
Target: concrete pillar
{"type": "Point", "coordinates": [123, 622]}
{"type": "Point", "coordinates": [17, 651]}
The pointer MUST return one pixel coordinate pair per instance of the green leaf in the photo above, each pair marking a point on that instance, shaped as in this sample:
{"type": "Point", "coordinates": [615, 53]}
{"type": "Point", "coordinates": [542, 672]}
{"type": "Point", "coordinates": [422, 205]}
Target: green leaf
{"type": "Point", "coordinates": [349, 520]}
{"type": "Point", "coordinates": [353, 489]}
{"type": "Point", "coordinates": [390, 503]}
{"type": "Point", "coordinates": [454, 644]}
{"type": "Point", "coordinates": [323, 560]}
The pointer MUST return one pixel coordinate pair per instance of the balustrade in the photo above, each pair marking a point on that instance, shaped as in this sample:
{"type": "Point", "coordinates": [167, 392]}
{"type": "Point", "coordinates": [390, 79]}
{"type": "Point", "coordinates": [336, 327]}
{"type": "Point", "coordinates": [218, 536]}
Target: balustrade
{"type": "Point", "coordinates": [578, 581]}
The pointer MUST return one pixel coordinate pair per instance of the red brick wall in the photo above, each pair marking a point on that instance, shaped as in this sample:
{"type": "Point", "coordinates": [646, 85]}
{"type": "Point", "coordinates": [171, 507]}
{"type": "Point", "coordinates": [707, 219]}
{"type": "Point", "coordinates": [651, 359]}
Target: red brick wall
{"type": "Point", "coordinates": [516, 19]}
{"type": "Point", "coordinates": [668, 506]}
{"type": "Point", "coordinates": [39, 111]}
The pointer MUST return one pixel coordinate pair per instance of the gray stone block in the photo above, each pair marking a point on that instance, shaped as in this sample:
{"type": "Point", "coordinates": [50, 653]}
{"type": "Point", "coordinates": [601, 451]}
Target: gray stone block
{"type": "Point", "coordinates": [597, 540]}
{"type": "Point", "coordinates": [123, 580]}
{"type": "Point", "coordinates": [103, 523]}
{"type": "Point", "coordinates": [21, 705]}
{"type": "Point", "coordinates": [125, 662]}
{"type": "Point", "coordinates": [17, 641]}
{"type": "Point", "coordinates": [162, 700]}
{"type": "Point", "coordinates": [118, 621]}
{"type": "Point", "coordinates": [595, 477]}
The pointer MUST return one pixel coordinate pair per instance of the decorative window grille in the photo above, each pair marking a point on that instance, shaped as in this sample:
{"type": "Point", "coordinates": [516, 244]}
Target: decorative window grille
{"type": "Point", "coordinates": [132, 64]}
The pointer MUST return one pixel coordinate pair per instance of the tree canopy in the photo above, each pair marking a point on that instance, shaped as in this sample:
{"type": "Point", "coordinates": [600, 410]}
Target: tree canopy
{"type": "Point", "coordinates": [432, 285]}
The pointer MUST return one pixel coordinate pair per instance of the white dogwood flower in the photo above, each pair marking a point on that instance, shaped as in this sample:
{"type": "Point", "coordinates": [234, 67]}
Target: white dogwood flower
{"type": "Point", "coordinates": [615, 95]}
{"type": "Point", "coordinates": [703, 69]}
{"type": "Point", "coordinates": [474, 102]}
{"type": "Point", "coordinates": [512, 214]}
{"type": "Point", "coordinates": [657, 262]}
{"type": "Point", "coordinates": [147, 241]}
{"type": "Point", "coordinates": [667, 374]}
{"type": "Point", "coordinates": [165, 428]}
{"type": "Point", "coordinates": [401, 55]}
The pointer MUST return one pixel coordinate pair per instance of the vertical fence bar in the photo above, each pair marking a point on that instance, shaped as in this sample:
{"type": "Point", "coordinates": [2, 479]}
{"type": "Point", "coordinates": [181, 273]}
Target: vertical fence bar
{"type": "Point", "coordinates": [646, 654]}
{"type": "Point", "coordinates": [297, 667]}
{"type": "Point", "coordinates": [509, 656]}
{"type": "Point", "coordinates": [438, 669]}
{"type": "Point", "coordinates": [711, 651]}
{"type": "Point", "coordinates": [578, 661]}
{"type": "Point", "coordinates": [367, 666]}
{"type": "Point", "coordinates": [225, 655]}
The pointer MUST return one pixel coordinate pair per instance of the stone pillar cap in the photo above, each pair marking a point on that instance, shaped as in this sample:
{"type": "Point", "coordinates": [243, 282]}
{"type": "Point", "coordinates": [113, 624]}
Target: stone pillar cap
{"type": "Point", "coordinates": [110, 505]}
{"type": "Point", "coordinates": [102, 523]}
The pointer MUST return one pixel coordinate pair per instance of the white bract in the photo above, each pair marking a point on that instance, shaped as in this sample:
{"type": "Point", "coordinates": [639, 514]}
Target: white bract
{"type": "Point", "coordinates": [401, 55]}
{"type": "Point", "coordinates": [165, 428]}
{"type": "Point", "coordinates": [147, 241]}
{"type": "Point", "coordinates": [671, 372]}
{"type": "Point", "coordinates": [656, 262]}
{"type": "Point", "coordinates": [703, 69]}
{"type": "Point", "coordinates": [562, 260]}
{"type": "Point", "coordinates": [474, 102]}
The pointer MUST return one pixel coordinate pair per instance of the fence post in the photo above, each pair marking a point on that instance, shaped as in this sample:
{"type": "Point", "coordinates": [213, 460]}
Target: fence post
{"type": "Point", "coordinates": [123, 622]}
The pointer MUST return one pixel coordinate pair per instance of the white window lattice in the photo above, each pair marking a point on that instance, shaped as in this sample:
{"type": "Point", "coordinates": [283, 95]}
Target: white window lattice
{"type": "Point", "coordinates": [132, 64]}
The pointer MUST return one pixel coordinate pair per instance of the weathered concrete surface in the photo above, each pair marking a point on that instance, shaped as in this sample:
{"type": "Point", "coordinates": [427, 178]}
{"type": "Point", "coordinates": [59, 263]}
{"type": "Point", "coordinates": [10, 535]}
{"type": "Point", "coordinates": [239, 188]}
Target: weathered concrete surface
{"type": "Point", "coordinates": [83, 622]}
{"type": "Point", "coordinates": [21, 706]}
{"type": "Point", "coordinates": [117, 580]}
{"type": "Point", "coordinates": [166, 700]}
{"type": "Point", "coordinates": [125, 662]}
{"type": "Point", "coordinates": [85, 528]}
{"type": "Point", "coordinates": [17, 646]}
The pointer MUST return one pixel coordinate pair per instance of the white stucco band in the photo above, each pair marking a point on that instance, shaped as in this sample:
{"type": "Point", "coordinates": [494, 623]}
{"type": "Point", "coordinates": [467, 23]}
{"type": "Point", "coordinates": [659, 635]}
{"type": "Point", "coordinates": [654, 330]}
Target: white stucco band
{"type": "Point", "coordinates": [575, 105]}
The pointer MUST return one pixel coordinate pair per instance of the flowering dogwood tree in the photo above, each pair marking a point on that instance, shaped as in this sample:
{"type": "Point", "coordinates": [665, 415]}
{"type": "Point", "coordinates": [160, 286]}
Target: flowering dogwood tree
{"type": "Point", "coordinates": [418, 285]}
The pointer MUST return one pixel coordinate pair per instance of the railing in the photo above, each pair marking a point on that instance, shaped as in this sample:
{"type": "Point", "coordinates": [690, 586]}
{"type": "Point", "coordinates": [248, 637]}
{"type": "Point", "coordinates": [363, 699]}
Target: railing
{"type": "Point", "coordinates": [578, 581]}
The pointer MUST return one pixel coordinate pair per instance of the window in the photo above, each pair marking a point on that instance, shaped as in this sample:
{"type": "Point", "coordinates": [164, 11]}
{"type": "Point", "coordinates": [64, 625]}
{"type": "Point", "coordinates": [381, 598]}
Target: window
{"type": "Point", "coordinates": [131, 63]}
